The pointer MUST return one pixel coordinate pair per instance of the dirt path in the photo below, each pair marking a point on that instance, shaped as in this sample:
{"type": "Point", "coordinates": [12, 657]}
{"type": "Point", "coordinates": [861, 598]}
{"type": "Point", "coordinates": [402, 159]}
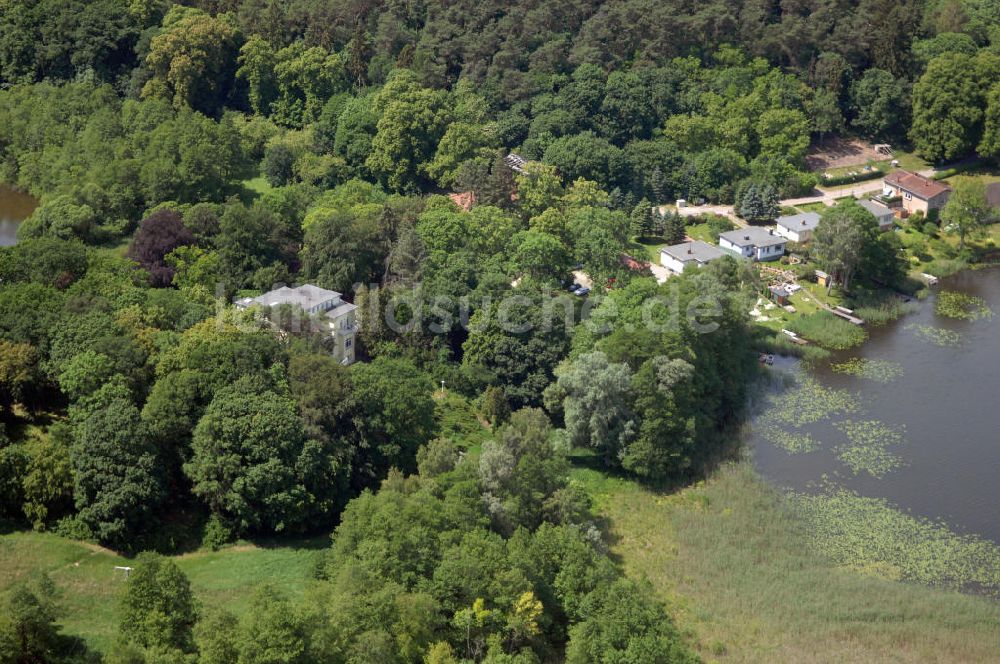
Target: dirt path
{"type": "Point", "coordinates": [838, 151]}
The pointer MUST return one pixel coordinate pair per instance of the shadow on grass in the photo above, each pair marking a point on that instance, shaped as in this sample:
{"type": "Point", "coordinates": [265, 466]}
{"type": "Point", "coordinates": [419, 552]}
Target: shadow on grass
{"type": "Point", "coordinates": [306, 543]}
{"type": "Point", "coordinates": [650, 240]}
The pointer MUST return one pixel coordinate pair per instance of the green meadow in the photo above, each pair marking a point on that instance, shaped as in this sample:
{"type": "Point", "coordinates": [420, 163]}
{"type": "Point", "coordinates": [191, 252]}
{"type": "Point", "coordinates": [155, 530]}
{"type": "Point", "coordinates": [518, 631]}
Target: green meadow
{"type": "Point", "coordinates": [88, 583]}
{"type": "Point", "coordinates": [747, 584]}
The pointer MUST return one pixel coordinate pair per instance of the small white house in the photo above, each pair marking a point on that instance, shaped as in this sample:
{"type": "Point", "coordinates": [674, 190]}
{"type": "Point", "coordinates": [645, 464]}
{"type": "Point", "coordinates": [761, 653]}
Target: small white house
{"type": "Point", "coordinates": [677, 257]}
{"type": "Point", "coordinates": [797, 227]}
{"type": "Point", "coordinates": [883, 214]}
{"type": "Point", "coordinates": [754, 243]}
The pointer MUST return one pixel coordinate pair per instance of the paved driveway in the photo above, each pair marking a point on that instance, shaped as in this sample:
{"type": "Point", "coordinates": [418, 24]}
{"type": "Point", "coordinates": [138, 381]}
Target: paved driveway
{"type": "Point", "coordinates": [825, 196]}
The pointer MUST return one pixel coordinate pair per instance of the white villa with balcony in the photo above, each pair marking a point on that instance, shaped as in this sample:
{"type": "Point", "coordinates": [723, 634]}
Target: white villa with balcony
{"type": "Point", "coordinates": [340, 316]}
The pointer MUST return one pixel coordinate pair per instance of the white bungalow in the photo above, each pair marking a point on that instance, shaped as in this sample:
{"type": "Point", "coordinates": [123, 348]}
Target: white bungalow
{"type": "Point", "coordinates": [797, 227]}
{"type": "Point", "coordinates": [676, 257]}
{"type": "Point", "coordinates": [755, 243]}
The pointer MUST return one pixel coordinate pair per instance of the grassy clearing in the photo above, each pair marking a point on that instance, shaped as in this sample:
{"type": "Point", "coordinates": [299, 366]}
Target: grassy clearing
{"type": "Point", "coordinates": [648, 248]}
{"type": "Point", "coordinates": [458, 421]}
{"type": "Point", "coordinates": [737, 571]}
{"type": "Point", "coordinates": [984, 173]}
{"type": "Point", "coordinates": [819, 206]}
{"type": "Point", "coordinates": [702, 232]}
{"type": "Point", "coordinates": [88, 583]}
{"type": "Point", "coordinates": [257, 186]}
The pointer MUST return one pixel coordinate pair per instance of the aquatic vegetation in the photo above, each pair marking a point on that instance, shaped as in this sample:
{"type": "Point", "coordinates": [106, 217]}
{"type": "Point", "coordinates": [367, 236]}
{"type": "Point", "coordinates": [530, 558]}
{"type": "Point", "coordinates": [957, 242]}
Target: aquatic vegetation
{"type": "Point", "coordinates": [808, 402]}
{"type": "Point", "coordinates": [884, 311]}
{"type": "Point", "coordinates": [791, 442]}
{"type": "Point", "coordinates": [869, 446]}
{"type": "Point", "coordinates": [828, 331]}
{"type": "Point", "coordinates": [961, 306]}
{"type": "Point", "coordinates": [937, 335]}
{"type": "Point", "coordinates": [873, 536]}
{"type": "Point", "coordinates": [882, 371]}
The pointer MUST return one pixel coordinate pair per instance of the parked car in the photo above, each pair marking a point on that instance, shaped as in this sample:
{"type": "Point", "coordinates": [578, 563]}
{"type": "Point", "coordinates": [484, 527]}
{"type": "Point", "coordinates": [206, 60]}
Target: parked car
{"type": "Point", "coordinates": [581, 291]}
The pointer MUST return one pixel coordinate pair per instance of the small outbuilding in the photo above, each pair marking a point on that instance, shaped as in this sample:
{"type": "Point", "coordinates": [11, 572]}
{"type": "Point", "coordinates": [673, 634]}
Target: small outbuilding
{"type": "Point", "coordinates": [882, 214]}
{"type": "Point", "coordinates": [779, 295]}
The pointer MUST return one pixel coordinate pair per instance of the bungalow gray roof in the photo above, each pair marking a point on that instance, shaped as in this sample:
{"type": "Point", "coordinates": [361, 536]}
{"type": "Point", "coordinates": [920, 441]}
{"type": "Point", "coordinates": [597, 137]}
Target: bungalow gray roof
{"type": "Point", "coordinates": [806, 221]}
{"type": "Point", "coordinates": [875, 208]}
{"type": "Point", "coordinates": [752, 236]}
{"type": "Point", "coordinates": [694, 250]}
{"type": "Point", "coordinates": [310, 298]}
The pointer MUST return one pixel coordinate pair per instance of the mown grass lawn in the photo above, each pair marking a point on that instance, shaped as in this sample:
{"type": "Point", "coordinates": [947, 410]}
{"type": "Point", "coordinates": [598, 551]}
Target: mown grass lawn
{"type": "Point", "coordinates": [819, 206]}
{"type": "Point", "coordinates": [985, 173]}
{"type": "Point", "coordinates": [88, 583]}
{"type": "Point", "coordinates": [701, 232]}
{"type": "Point", "coordinates": [736, 570]}
{"type": "Point", "coordinates": [647, 248]}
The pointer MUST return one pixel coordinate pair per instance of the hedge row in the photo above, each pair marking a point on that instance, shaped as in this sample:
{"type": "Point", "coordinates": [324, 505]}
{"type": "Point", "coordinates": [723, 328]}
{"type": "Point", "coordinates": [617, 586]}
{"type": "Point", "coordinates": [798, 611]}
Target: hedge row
{"type": "Point", "coordinates": [860, 176]}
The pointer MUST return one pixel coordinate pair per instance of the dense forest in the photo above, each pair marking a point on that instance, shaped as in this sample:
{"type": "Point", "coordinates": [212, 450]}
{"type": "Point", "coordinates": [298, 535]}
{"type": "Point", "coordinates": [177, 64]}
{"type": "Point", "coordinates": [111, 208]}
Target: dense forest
{"type": "Point", "coordinates": [187, 154]}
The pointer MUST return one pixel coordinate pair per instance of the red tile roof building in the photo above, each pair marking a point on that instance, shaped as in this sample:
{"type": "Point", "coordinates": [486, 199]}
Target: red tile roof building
{"type": "Point", "coordinates": [464, 199]}
{"type": "Point", "coordinates": [919, 193]}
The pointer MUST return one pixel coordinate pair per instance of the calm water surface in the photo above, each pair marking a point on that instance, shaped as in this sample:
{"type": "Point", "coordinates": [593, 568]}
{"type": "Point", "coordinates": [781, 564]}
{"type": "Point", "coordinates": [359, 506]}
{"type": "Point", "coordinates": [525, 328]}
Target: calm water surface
{"type": "Point", "coordinates": [15, 207]}
{"type": "Point", "coordinates": [947, 398]}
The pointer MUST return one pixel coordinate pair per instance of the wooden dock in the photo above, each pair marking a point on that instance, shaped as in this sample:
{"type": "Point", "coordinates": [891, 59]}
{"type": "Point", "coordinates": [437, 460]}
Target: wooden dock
{"type": "Point", "coordinates": [846, 314]}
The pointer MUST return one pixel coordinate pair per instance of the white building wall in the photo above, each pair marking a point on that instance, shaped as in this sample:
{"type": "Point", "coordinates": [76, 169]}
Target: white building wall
{"type": "Point", "coordinates": [746, 252]}
{"type": "Point", "coordinates": [770, 253]}
{"type": "Point", "coordinates": [671, 263]}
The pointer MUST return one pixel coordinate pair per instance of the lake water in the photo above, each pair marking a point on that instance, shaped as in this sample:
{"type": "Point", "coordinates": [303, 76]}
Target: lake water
{"type": "Point", "coordinates": [15, 207]}
{"type": "Point", "coordinates": [948, 400]}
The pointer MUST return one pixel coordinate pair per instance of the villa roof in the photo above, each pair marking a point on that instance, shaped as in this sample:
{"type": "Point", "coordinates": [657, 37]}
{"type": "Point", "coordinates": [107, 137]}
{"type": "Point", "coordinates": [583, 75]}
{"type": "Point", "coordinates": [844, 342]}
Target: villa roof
{"type": "Point", "coordinates": [341, 309]}
{"type": "Point", "coordinates": [306, 296]}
